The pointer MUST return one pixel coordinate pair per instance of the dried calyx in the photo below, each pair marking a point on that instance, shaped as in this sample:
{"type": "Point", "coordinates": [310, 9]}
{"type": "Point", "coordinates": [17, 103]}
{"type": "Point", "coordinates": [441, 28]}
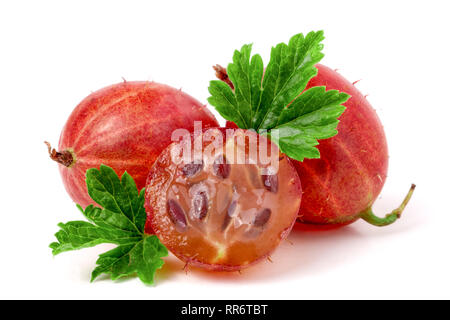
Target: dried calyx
{"type": "Point", "coordinates": [66, 158]}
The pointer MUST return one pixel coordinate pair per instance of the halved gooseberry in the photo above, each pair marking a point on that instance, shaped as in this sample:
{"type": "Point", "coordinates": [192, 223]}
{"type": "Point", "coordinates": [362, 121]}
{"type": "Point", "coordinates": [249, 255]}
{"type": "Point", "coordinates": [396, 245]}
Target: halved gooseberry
{"type": "Point", "coordinates": [226, 204]}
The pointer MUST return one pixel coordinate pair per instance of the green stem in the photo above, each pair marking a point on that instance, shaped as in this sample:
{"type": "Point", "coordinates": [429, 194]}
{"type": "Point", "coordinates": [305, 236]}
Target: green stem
{"type": "Point", "coordinates": [390, 218]}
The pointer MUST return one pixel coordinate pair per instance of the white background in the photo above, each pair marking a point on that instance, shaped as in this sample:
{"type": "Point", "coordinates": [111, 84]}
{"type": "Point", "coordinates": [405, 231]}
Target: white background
{"type": "Point", "coordinates": [54, 53]}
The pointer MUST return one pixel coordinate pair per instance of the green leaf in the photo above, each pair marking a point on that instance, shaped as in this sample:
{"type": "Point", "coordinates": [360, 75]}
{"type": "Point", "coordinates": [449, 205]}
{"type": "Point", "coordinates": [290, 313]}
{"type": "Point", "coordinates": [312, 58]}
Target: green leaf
{"type": "Point", "coordinates": [120, 221]}
{"type": "Point", "coordinates": [76, 235]}
{"type": "Point", "coordinates": [247, 77]}
{"type": "Point", "coordinates": [119, 197]}
{"type": "Point", "coordinates": [143, 258]}
{"type": "Point", "coordinates": [312, 116]}
{"type": "Point", "coordinates": [289, 70]}
{"type": "Point", "coordinates": [225, 101]}
{"type": "Point", "coordinates": [276, 99]}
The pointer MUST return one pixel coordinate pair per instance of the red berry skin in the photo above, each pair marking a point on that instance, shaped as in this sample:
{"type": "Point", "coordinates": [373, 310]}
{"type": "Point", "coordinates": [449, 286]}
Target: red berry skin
{"type": "Point", "coordinates": [231, 124]}
{"type": "Point", "coordinates": [125, 126]}
{"type": "Point", "coordinates": [353, 165]}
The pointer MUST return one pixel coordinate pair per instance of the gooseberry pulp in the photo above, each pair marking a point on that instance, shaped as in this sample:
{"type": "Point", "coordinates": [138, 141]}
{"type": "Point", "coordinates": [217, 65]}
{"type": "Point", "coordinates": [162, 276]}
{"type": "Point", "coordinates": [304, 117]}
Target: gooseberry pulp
{"type": "Point", "coordinates": [124, 126]}
{"type": "Point", "coordinates": [216, 212]}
